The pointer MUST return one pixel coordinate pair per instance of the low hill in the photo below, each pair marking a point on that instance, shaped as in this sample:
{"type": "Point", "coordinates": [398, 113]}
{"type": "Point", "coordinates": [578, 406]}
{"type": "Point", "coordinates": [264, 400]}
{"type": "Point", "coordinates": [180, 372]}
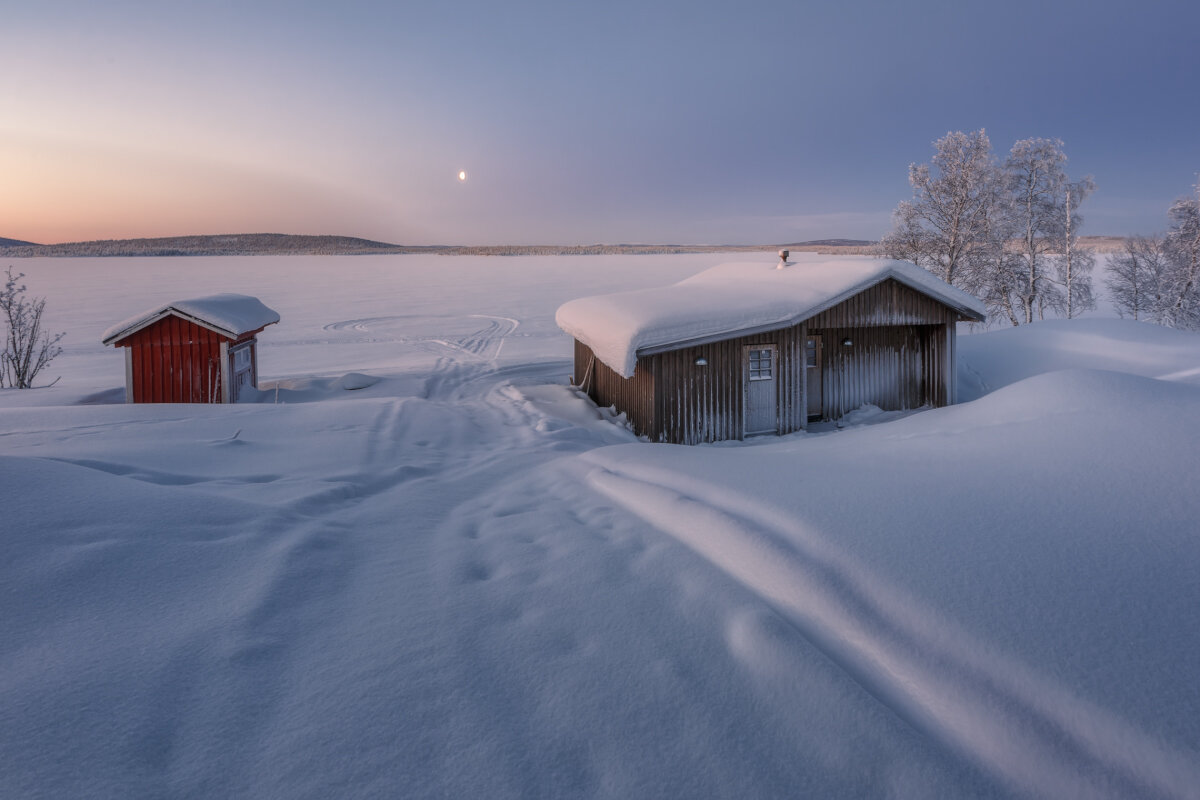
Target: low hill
{"type": "Point", "coordinates": [254, 244]}
{"type": "Point", "coordinates": [283, 244]}
{"type": "Point", "coordinates": [220, 245]}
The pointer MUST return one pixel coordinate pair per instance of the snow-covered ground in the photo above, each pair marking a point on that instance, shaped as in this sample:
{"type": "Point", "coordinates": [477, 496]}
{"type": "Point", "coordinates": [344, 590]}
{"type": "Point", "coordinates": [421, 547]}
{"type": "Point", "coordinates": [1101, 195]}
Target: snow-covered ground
{"type": "Point", "coordinates": [465, 581]}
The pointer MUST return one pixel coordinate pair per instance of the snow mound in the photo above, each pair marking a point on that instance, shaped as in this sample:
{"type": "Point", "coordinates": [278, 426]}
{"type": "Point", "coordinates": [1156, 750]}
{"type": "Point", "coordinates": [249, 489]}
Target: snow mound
{"type": "Point", "coordinates": [1078, 391]}
{"type": "Point", "coordinates": [871, 414]}
{"type": "Point", "coordinates": [734, 299]}
{"type": "Point", "coordinates": [1013, 575]}
{"type": "Point", "coordinates": [357, 380]}
{"type": "Point", "coordinates": [994, 359]}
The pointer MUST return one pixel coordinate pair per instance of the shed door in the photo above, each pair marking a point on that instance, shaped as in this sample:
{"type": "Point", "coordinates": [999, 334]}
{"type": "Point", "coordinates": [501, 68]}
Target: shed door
{"type": "Point", "coordinates": [812, 372]}
{"type": "Point", "coordinates": [242, 371]}
{"type": "Point", "coordinates": [761, 372]}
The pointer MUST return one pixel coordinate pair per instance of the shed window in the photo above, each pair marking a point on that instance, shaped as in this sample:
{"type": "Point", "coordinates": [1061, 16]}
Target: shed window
{"type": "Point", "coordinates": [241, 358]}
{"type": "Point", "coordinates": [810, 353]}
{"type": "Point", "coordinates": [760, 365]}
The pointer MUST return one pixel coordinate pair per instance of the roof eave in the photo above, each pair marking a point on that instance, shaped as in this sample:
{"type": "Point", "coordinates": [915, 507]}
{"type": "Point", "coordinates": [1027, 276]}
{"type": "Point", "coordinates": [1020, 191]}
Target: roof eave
{"type": "Point", "coordinates": [170, 311]}
{"type": "Point", "coordinates": [969, 314]}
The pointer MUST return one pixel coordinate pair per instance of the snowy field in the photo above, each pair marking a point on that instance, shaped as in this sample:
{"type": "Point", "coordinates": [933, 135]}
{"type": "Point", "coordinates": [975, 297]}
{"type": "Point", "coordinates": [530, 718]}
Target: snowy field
{"type": "Point", "coordinates": [465, 581]}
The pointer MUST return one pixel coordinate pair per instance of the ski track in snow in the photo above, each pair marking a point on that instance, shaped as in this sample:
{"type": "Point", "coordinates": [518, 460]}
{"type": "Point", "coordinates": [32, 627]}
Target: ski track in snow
{"type": "Point", "coordinates": [470, 436]}
{"type": "Point", "coordinates": [484, 343]}
{"type": "Point", "coordinates": [1032, 734]}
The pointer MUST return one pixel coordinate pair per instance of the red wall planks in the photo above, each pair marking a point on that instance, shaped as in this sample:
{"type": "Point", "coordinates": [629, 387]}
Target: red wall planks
{"type": "Point", "coordinates": [175, 361]}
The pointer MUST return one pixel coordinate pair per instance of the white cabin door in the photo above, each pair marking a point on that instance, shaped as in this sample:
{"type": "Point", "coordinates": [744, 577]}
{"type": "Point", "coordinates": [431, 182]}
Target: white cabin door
{"type": "Point", "coordinates": [760, 376]}
{"type": "Point", "coordinates": [812, 371]}
{"type": "Point", "coordinates": [242, 372]}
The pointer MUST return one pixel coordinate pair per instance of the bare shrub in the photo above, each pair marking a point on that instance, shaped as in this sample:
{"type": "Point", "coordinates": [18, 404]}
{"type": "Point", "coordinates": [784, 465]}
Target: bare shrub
{"type": "Point", "coordinates": [27, 348]}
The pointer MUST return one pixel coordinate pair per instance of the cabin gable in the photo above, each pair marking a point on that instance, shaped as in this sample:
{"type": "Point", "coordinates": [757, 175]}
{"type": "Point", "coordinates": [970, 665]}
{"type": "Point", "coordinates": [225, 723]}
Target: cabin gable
{"type": "Point", "coordinates": [888, 302]}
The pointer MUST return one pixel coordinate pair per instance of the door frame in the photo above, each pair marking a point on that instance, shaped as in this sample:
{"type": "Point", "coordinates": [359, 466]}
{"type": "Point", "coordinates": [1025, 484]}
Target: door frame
{"type": "Point", "coordinates": [820, 374]}
{"type": "Point", "coordinates": [747, 381]}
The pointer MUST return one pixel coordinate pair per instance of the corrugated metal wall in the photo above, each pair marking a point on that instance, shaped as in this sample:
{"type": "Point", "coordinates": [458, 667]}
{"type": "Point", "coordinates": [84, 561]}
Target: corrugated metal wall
{"type": "Point", "coordinates": [893, 367]}
{"type": "Point", "coordinates": [634, 396]}
{"type": "Point", "coordinates": [885, 303]}
{"type": "Point", "coordinates": [702, 403]}
{"type": "Point", "coordinates": [898, 357]}
{"type": "Point", "coordinates": [897, 360]}
{"type": "Point", "coordinates": [696, 404]}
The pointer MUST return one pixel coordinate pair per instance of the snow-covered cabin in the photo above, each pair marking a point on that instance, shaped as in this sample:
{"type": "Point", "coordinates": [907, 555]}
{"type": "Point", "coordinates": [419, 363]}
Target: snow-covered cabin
{"type": "Point", "coordinates": [202, 350]}
{"type": "Point", "coordinates": [751, 348]}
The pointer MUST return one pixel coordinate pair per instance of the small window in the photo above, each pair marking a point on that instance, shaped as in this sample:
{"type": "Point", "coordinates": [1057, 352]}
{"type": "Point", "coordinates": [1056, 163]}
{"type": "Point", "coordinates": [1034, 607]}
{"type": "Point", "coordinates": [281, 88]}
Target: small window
{"type": "Point", "coordinates": [241, 358]}
{"type": "Point", "coordinates": [760, 365]}
{"type": "Point", "coordinates": [810, 353]}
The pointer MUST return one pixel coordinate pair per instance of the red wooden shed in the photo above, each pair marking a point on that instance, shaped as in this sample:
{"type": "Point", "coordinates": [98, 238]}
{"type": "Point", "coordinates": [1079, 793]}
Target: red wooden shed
{"type": "Point", "coordinates": [202, 350]}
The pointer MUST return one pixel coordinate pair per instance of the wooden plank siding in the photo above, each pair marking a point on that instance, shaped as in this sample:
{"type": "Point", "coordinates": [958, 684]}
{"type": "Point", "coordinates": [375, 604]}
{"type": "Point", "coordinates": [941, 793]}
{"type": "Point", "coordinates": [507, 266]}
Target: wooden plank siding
{"type": "Point", "coordinates": [175, 361]}
{"type": "Point", "coordinates": [900, 357]}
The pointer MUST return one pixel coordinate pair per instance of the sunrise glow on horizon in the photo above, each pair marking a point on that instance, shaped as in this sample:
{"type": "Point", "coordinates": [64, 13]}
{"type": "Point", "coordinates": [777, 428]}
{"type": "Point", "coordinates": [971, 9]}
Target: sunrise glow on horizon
{"type": "Point", "coordinates": [127, 121]}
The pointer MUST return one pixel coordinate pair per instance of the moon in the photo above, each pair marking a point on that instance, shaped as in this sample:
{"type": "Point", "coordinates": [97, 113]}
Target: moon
{"type": "Point", "coordinates": [462, 175]}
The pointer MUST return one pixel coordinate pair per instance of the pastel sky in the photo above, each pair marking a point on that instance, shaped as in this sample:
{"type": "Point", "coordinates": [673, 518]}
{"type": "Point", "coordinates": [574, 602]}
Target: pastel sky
{"type": "Point", "coordinates": [713, 122]}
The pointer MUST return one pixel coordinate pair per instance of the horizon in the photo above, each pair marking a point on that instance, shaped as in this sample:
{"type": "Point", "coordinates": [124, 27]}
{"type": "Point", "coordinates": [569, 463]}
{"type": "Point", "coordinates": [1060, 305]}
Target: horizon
{"type": "Point", "coordinates": [491, 127]}
{"type": "Point", "coordinates": [832, 241]}
{"type": "Point", "coordinates": [810, 242]}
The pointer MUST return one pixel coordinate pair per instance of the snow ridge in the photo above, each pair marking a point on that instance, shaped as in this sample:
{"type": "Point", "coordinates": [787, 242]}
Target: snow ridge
{"type": "Point", "coordinates": [1034, 735]}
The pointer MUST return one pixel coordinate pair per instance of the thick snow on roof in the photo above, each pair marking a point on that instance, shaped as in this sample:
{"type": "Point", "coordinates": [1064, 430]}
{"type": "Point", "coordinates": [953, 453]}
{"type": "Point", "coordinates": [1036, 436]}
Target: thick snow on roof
{"type": "Point", "coordinates": [228, 314]}
{"type": "Point", "coordinates": [733, 299]}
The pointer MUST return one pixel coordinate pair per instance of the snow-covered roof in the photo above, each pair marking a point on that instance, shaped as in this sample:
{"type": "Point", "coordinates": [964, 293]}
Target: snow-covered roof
{"type": "Point", "coordinates": [734, 300]}
{"type": "Point", "coordinates": [228, 314]}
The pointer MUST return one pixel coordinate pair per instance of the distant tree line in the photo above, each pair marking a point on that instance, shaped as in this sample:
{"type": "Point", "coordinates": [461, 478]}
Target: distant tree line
{"type": "Point", "coordinates": [1008, 232]}
{"type": "Point", "coordinates": [255, 244]}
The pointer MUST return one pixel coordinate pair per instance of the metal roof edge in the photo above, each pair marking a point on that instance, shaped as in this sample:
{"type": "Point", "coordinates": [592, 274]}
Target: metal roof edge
{"type": "Point", "coordinates": [889, 272]}
{"type": "Point", "coordinates": [916, 286]}
{"type": "Point", "coordinates": [715, 337]}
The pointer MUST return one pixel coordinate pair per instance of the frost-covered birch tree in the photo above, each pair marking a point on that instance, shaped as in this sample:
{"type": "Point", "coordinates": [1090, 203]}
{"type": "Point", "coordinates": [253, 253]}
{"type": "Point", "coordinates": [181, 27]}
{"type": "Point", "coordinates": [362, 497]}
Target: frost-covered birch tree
{"type": "Point", "coordinates": [1135, 278]}
{"type": "Point", "coordinates": [1074, 264]}
{"type": "Point", "coordinates": [1009, 234]}
{"type": "Point", "coordinates": [948, 226]}
{"type": "Point", "coordinates": [1157, 278]}
{"type": "Point", "coordinates": [1181, 308]}
{"type": "Point", "coordinates": [1036, 180]}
